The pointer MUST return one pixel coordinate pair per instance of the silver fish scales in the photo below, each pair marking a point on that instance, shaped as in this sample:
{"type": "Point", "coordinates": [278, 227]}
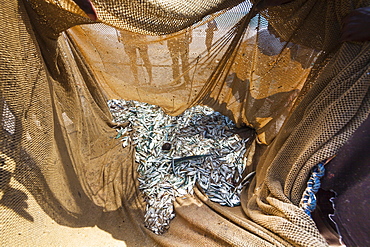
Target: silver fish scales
{"type": "Point", "coordinates": [202, 151]}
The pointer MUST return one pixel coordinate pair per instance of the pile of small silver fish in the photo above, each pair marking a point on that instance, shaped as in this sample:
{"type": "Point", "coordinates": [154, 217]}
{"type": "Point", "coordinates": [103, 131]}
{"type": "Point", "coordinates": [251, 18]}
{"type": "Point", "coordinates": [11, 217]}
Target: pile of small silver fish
{"type": "Point", "coordinates": [176, 153]}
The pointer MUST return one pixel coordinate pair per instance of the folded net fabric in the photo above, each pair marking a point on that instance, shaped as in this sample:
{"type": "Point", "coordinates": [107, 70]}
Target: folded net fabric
{"type": "Point", "coordinates": [302, 91]}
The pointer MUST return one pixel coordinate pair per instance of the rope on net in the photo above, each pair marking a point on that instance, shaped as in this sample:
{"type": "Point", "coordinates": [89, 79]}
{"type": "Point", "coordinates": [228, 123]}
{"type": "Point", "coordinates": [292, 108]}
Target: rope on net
{"type": "Point", "coordinates": [308, 201]}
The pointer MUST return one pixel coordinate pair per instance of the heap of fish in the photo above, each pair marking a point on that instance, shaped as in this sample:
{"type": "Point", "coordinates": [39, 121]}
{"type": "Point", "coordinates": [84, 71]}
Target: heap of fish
{"type": "Point", "coordinates": [176, 153]}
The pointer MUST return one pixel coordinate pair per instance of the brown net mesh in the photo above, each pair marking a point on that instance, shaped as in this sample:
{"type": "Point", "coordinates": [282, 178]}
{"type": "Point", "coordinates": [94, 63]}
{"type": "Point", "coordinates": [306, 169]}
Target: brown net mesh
{"type": "Point", "coordinates": [65, 179]}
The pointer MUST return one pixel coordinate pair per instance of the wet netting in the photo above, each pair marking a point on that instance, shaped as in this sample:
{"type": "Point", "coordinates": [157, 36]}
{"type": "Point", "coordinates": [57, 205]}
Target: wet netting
{"type": "Point", "coordinates": [259, 103]}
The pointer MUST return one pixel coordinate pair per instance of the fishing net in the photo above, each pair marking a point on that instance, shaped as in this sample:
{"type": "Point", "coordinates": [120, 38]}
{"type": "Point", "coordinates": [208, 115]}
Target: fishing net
{"type": "Point", "coordinates": [65, 177]}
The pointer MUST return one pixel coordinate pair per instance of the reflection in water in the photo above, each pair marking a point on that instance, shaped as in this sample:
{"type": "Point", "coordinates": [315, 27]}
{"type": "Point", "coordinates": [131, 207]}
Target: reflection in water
{"type": "Point", "coordinates": [136, 42]}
